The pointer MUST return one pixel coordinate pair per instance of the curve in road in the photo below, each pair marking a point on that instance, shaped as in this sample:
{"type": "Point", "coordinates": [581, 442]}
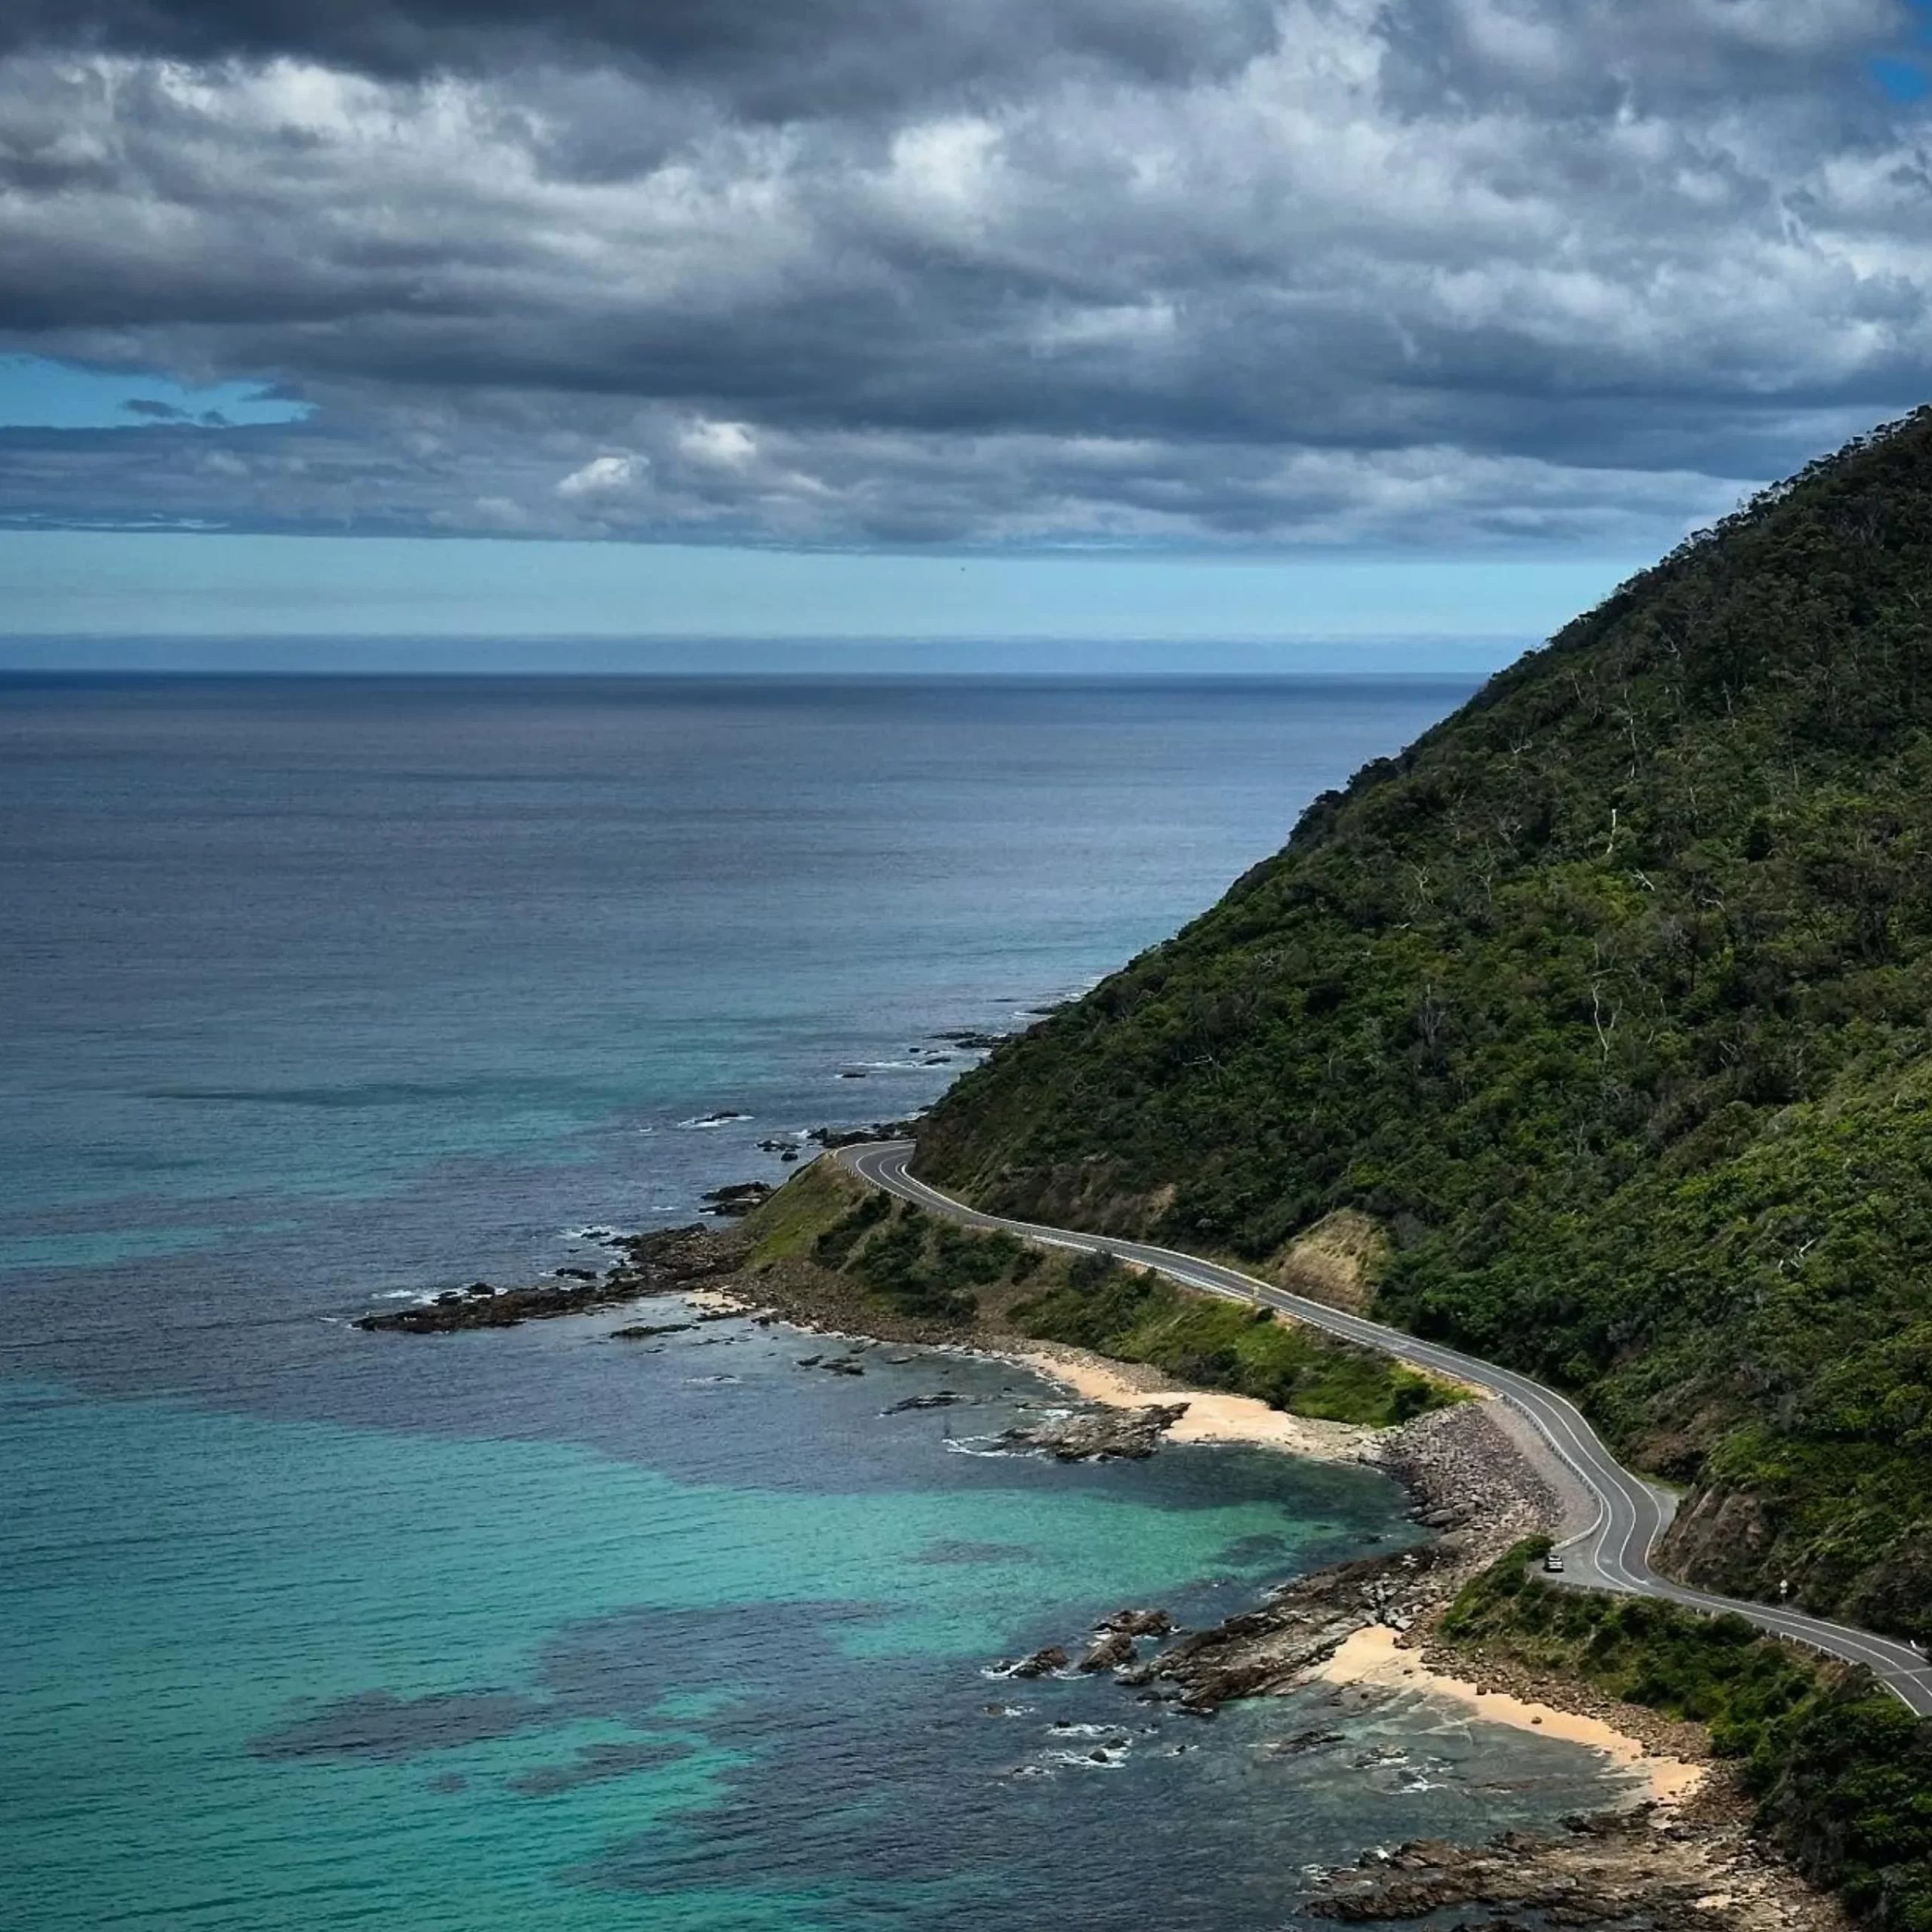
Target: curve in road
{"type": "Point", "coordinates": [1613, 1553]}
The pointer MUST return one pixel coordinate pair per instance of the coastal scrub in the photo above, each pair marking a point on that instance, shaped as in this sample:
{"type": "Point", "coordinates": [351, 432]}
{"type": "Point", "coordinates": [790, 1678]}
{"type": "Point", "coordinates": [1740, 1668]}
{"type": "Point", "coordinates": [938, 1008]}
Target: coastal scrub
{"type": "Point", "coordinates": [861, 1257]}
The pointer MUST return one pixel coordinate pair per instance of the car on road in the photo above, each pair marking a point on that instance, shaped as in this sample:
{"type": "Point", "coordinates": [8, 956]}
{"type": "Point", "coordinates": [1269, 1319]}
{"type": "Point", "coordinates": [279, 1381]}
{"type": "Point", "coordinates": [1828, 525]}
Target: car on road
{"type": "Point", "coordinates": [1553, 1563]}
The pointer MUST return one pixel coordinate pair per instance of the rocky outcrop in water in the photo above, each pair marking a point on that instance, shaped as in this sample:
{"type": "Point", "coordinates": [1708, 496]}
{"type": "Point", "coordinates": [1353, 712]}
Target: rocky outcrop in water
{"type": "Point", "coordinates": [852, 1137]}
{"type": "Point", "coordinates": [739, 1198]}
{"type": "Point", "coordinates": [1089, 1433]}
{"type": "Point", "coordinates": [659, 1262]}
{"type": "Point", "coordinates": [1270, 1649]}
{"type": "Point", "coordinates": [481, 1306]}
{"type": "Point", "coordinates": [1113, 1650]}
{"type": "Point", "coordinates": [1635, 1868]}
{"type": "Point", "coordinates": [1138, 1622]}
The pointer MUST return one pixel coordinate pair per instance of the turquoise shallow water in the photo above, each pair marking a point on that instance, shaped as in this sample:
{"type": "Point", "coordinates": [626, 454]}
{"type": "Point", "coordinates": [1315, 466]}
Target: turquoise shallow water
{"type": "Point", "coordinates": [321, 995]}
{"type": "Point", "coordinates": [304, 1675]}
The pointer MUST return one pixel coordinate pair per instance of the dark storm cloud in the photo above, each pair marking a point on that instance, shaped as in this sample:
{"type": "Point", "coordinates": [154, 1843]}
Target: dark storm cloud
{"type": "Point", "coordinates": [1336, 271]}
{"type": "Point", "coordinates": [771, 61]}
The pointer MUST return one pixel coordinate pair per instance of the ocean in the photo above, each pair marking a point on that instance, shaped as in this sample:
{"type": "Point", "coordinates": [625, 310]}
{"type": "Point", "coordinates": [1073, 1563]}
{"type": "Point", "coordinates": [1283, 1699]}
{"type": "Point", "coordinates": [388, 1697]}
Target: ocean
{"type": "Point", "coordinates": [320, 995]}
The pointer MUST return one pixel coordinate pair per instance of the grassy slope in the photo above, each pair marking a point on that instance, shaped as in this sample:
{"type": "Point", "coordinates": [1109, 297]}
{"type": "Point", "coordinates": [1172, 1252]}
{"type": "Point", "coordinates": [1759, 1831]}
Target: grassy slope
{"type": "Point", "coordinates": [1609, 1000]}
{"type": "Point", "coordinates": [911, 1266]}
{"type": "Point", "coordinates": [1840, 1767]}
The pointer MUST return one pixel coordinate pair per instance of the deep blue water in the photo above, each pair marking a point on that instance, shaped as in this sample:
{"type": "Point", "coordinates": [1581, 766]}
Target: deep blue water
{"type": "Point", "coordinates": [320, 992]}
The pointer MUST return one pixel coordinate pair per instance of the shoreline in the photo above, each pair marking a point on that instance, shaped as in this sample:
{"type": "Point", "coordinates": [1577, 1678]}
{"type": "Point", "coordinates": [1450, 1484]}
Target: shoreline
{"type": "Point", "coordinates": [1374, 1658]}
{"type": "Point", "coordinates": [1366, 1629]}
{"type": "Point", "coordinates": [1213, 1416]}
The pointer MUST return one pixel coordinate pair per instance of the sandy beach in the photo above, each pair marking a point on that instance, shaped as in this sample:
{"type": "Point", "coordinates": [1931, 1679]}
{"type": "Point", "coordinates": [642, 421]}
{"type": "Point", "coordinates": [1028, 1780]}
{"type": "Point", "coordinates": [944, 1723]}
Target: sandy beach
{"type": "Point", "coordinates": [1373, 1659]}
{"type": "Point", "coordinates": [1211, 1416]}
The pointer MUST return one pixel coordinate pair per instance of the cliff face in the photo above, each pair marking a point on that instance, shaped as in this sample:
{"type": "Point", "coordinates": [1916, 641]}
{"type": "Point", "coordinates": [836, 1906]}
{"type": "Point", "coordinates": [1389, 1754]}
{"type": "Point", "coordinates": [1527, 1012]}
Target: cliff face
{"type": "Point", "coordinates": [1610, 1002]}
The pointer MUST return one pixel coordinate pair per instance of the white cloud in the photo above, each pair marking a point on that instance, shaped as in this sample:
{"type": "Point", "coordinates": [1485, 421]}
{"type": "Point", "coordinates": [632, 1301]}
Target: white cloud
{"type": "Point", "coordinates": [604, 477]}
{"type": "Point", "coordinates": [723, 445]}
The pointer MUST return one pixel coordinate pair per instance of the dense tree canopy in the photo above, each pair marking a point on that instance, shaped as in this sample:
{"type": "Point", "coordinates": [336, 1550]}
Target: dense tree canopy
{"type": "Point", "coordinates": [1610, 999]}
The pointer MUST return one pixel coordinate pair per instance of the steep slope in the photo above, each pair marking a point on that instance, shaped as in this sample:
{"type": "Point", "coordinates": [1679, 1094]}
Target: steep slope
{"type": "Point", "coordinates": [1609, 1000]}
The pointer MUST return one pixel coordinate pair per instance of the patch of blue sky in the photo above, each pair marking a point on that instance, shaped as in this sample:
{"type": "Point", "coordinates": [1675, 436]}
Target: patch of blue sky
{"type": "Point", "coordinates": [85, 600]}
{"type": "Point", "coordinates": [1902, 79]}
{"type": "Point", "coordinates": [1902, 75]}
{"type": "Point", "coordinates": [37, 392]}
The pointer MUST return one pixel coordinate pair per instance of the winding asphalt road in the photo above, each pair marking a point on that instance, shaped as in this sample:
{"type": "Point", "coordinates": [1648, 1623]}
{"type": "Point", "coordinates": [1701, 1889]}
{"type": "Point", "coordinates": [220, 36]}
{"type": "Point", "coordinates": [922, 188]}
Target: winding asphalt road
{"type": "Point", "coordinates": [1613, 1553]}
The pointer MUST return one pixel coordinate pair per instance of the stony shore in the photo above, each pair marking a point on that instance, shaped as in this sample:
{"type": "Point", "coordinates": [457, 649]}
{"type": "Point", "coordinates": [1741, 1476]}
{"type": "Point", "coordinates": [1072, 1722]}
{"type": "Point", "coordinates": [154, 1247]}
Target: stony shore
{"type": "Point", "coordinates": [660, 1263]}
{"type": "Point", "coordinates": [1683, 1857]}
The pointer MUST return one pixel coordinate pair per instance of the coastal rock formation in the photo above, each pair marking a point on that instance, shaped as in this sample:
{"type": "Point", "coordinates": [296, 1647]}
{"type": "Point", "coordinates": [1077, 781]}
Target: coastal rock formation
{"type": "Point", "coordinates": [664, 1259]}
{"type": "Point", "coordinates": [1092, 1433]}
{"type": "Point", "coordinates": [1258, 1652]}
{"type": "Point", "coordinates": [1469, 1479]}
{"type": "Point", "coordinates": [483, 1306]}
{"type": "Point", "coordinates": [844, 1364]}
{"type": "Point", "coordinates": [1040, 1664]}
{"type": "Point", "coordinates": [1627, 1867]}
{"type": "Point", "coordinates": [1111, 1651]}
{"type": "Point", "coordinates": [738, 1198]}
{"type": "Point", "coordinates": [1138, 1622]}
{"type": "Point", "coordinates": [853, 1137]}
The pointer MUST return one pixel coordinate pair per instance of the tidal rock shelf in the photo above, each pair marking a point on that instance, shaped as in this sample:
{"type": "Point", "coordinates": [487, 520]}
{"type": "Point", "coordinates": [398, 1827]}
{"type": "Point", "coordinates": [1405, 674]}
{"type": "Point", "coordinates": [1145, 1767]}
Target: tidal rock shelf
{"type": "Point", "coordinates": [660, 1263]}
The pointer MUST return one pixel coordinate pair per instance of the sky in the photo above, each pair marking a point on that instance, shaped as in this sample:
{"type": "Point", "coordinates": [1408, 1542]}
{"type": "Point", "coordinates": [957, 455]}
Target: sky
{"type": "Point", "coordinates": [1385, 332]}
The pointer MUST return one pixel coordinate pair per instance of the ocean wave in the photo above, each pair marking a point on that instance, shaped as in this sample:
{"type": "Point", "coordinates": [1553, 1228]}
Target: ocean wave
{"type": "Point", "coordinates": [1095, 1760]}
{"type": "Point", "coordinates": [699, 1122]}
{"type": "Point", "coordinates": [979, 1445]}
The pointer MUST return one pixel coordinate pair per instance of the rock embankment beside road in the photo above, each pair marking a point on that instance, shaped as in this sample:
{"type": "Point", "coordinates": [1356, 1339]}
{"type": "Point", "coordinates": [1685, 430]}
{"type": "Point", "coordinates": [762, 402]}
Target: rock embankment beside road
{"type": "Point", "coordinates": [1471, 1480]}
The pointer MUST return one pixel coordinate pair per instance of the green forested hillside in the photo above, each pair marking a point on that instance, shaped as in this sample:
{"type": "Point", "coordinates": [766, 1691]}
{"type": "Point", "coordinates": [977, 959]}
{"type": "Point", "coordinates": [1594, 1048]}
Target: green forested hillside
{"type": "Point", "coordinates": [1610, 999]}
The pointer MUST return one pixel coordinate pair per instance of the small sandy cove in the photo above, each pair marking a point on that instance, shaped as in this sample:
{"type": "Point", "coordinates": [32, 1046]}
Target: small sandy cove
{"type": "Point", "coordinates": [1210, 1416]}
{"type": "Point", "coordinates": [1372, 1658]}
